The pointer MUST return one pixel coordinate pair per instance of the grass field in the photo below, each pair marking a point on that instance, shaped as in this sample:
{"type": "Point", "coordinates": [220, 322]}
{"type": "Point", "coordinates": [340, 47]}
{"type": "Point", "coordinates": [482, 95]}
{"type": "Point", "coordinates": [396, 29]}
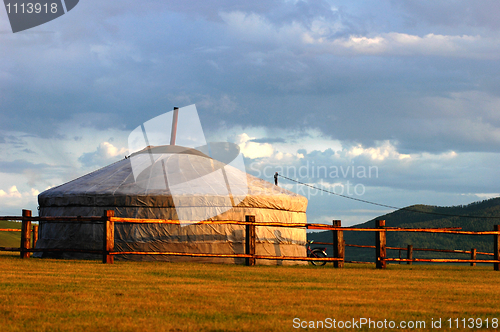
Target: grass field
{"type": "Point", "coordinates": [10, 239]}
{"type": "Point", "coordinates": [64, 295]}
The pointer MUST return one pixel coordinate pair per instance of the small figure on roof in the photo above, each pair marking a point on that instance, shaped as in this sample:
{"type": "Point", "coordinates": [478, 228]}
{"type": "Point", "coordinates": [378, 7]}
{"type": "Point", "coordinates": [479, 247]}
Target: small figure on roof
{"type": "Point", "coordinates": [276, 178]}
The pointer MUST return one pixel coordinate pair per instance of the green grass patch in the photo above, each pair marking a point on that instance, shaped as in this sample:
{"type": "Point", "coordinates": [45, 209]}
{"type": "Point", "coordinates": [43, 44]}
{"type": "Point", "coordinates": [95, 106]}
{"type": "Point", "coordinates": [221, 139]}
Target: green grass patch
{"type": "Point", "coordinates": [10, 239]}
{"type": "Point", "coordinates": [54, 295]}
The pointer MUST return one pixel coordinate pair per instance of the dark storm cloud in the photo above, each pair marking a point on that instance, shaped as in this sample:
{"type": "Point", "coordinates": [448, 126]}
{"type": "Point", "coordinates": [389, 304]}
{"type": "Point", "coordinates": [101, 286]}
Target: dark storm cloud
{"type": "Point", "coordinates": [278, 12]}
{"type": "Point", "coordinates": [482, 13]}
{"type": "Point", "coordinates": [268, 140]}
{"type": "Point", "coordinates": [128, 62]}
{"type": "Point", "coordinates": [20, 166]}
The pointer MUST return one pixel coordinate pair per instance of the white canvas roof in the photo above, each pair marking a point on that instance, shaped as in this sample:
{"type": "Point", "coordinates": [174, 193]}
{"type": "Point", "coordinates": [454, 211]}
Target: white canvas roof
{"type": "Point", "coordinates": [115, 185]}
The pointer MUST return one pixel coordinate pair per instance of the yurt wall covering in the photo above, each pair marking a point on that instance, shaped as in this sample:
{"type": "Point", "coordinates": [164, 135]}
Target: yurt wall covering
{"type": "Point", "coordinates": [115, 188]}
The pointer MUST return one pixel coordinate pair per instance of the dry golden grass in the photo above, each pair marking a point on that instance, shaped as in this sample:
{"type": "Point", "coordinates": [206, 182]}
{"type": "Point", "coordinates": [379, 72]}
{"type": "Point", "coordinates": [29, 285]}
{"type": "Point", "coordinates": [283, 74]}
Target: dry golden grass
{"type": "Point", "coordinates": [65, 295]}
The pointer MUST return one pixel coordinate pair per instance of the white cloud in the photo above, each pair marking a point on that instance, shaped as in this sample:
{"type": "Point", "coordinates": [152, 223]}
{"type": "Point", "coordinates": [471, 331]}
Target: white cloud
{"type": "Point", "coordinates": [347, 217]}
{"type": "Point", "coordinates": [254, 150]}
{"type": "Point", "coordinates": [12, 192]}
{"type": "Point", "coordinates": [12, 200]}
{"type": "Point", "coordinates": [317, 38]}
{"type": "Point", "coordinates": [395, 43]}
{"type": "Point", "coordinates": [108, 150]}
{"type": "Point", "coordinates": [104, 154]}
{"type": "Point", "coordinates": [384, 151]}
{"type": "Point", "coordinates": [485, 196]}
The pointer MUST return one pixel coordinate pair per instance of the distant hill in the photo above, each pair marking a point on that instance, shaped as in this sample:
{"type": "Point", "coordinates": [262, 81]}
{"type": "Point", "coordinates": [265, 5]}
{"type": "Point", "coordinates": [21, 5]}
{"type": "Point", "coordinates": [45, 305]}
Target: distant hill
{"type": "Point", "coordinates": [10, 239]}
{"type": "Point", "coordinates": [411, 219]}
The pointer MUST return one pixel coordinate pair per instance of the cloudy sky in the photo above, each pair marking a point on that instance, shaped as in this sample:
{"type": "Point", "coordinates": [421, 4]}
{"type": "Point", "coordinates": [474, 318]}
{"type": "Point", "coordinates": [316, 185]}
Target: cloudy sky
{"type": "Point", "coordinates": [396, 102]}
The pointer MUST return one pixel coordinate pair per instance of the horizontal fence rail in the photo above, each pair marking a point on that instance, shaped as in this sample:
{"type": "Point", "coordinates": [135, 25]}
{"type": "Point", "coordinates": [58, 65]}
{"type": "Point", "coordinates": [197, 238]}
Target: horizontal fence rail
{"type": "Point", "coordinates": [29, 236]}
{"type": "Point", "coordinates": [9, 249]}
{"type": "Point", "coordinates": [167, 253]}
{"type": "Point", "coordinates": [443, 260]}
{"type": "Point", "coordinates": [457, 251]}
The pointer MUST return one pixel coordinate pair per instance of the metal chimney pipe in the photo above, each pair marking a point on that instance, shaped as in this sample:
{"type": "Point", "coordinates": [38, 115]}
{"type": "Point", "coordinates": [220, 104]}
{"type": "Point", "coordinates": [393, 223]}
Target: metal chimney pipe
{"type": "Point", "coordinates": [174, 126]}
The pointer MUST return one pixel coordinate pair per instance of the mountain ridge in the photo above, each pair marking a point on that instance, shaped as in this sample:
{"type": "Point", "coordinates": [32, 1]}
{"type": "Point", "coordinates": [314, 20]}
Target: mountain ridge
{"type": "Point", "coordinates": [476, 216]}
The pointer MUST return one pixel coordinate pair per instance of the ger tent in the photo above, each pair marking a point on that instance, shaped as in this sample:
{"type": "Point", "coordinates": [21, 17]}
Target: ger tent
{"type": "Point", "coordinates": [175, 195]}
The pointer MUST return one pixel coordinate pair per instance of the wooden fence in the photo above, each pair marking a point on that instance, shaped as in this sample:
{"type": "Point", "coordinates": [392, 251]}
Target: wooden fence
{"type": "Point", "coordinates": [410, 249]}
{"type": "Point", "coordinates": [338, 259]}
{"type": "Point", "coordinates": [108, 252]}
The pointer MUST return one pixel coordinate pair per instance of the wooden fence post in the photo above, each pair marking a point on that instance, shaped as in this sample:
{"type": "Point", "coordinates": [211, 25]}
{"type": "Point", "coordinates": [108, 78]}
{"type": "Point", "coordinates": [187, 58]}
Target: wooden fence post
{"type": "Point", "coordinates": [108, 238]}
{"type": "Point", "coordinates": [338, 245]}
{"type": "Point", "coordinates": [35, 235]}
{"type": "Point", "coordinates": [496, 248]}
{"type": "Point", "coordinates": [250, 241]}
{"type": "Point", "coordinates": [473, 253]}
{"type": "Point", "coordinates": [25, 234]}
{"type": "Point", "coordinates": [409, 254]}
{"type": "Point", "coordinates": [380, 245]}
